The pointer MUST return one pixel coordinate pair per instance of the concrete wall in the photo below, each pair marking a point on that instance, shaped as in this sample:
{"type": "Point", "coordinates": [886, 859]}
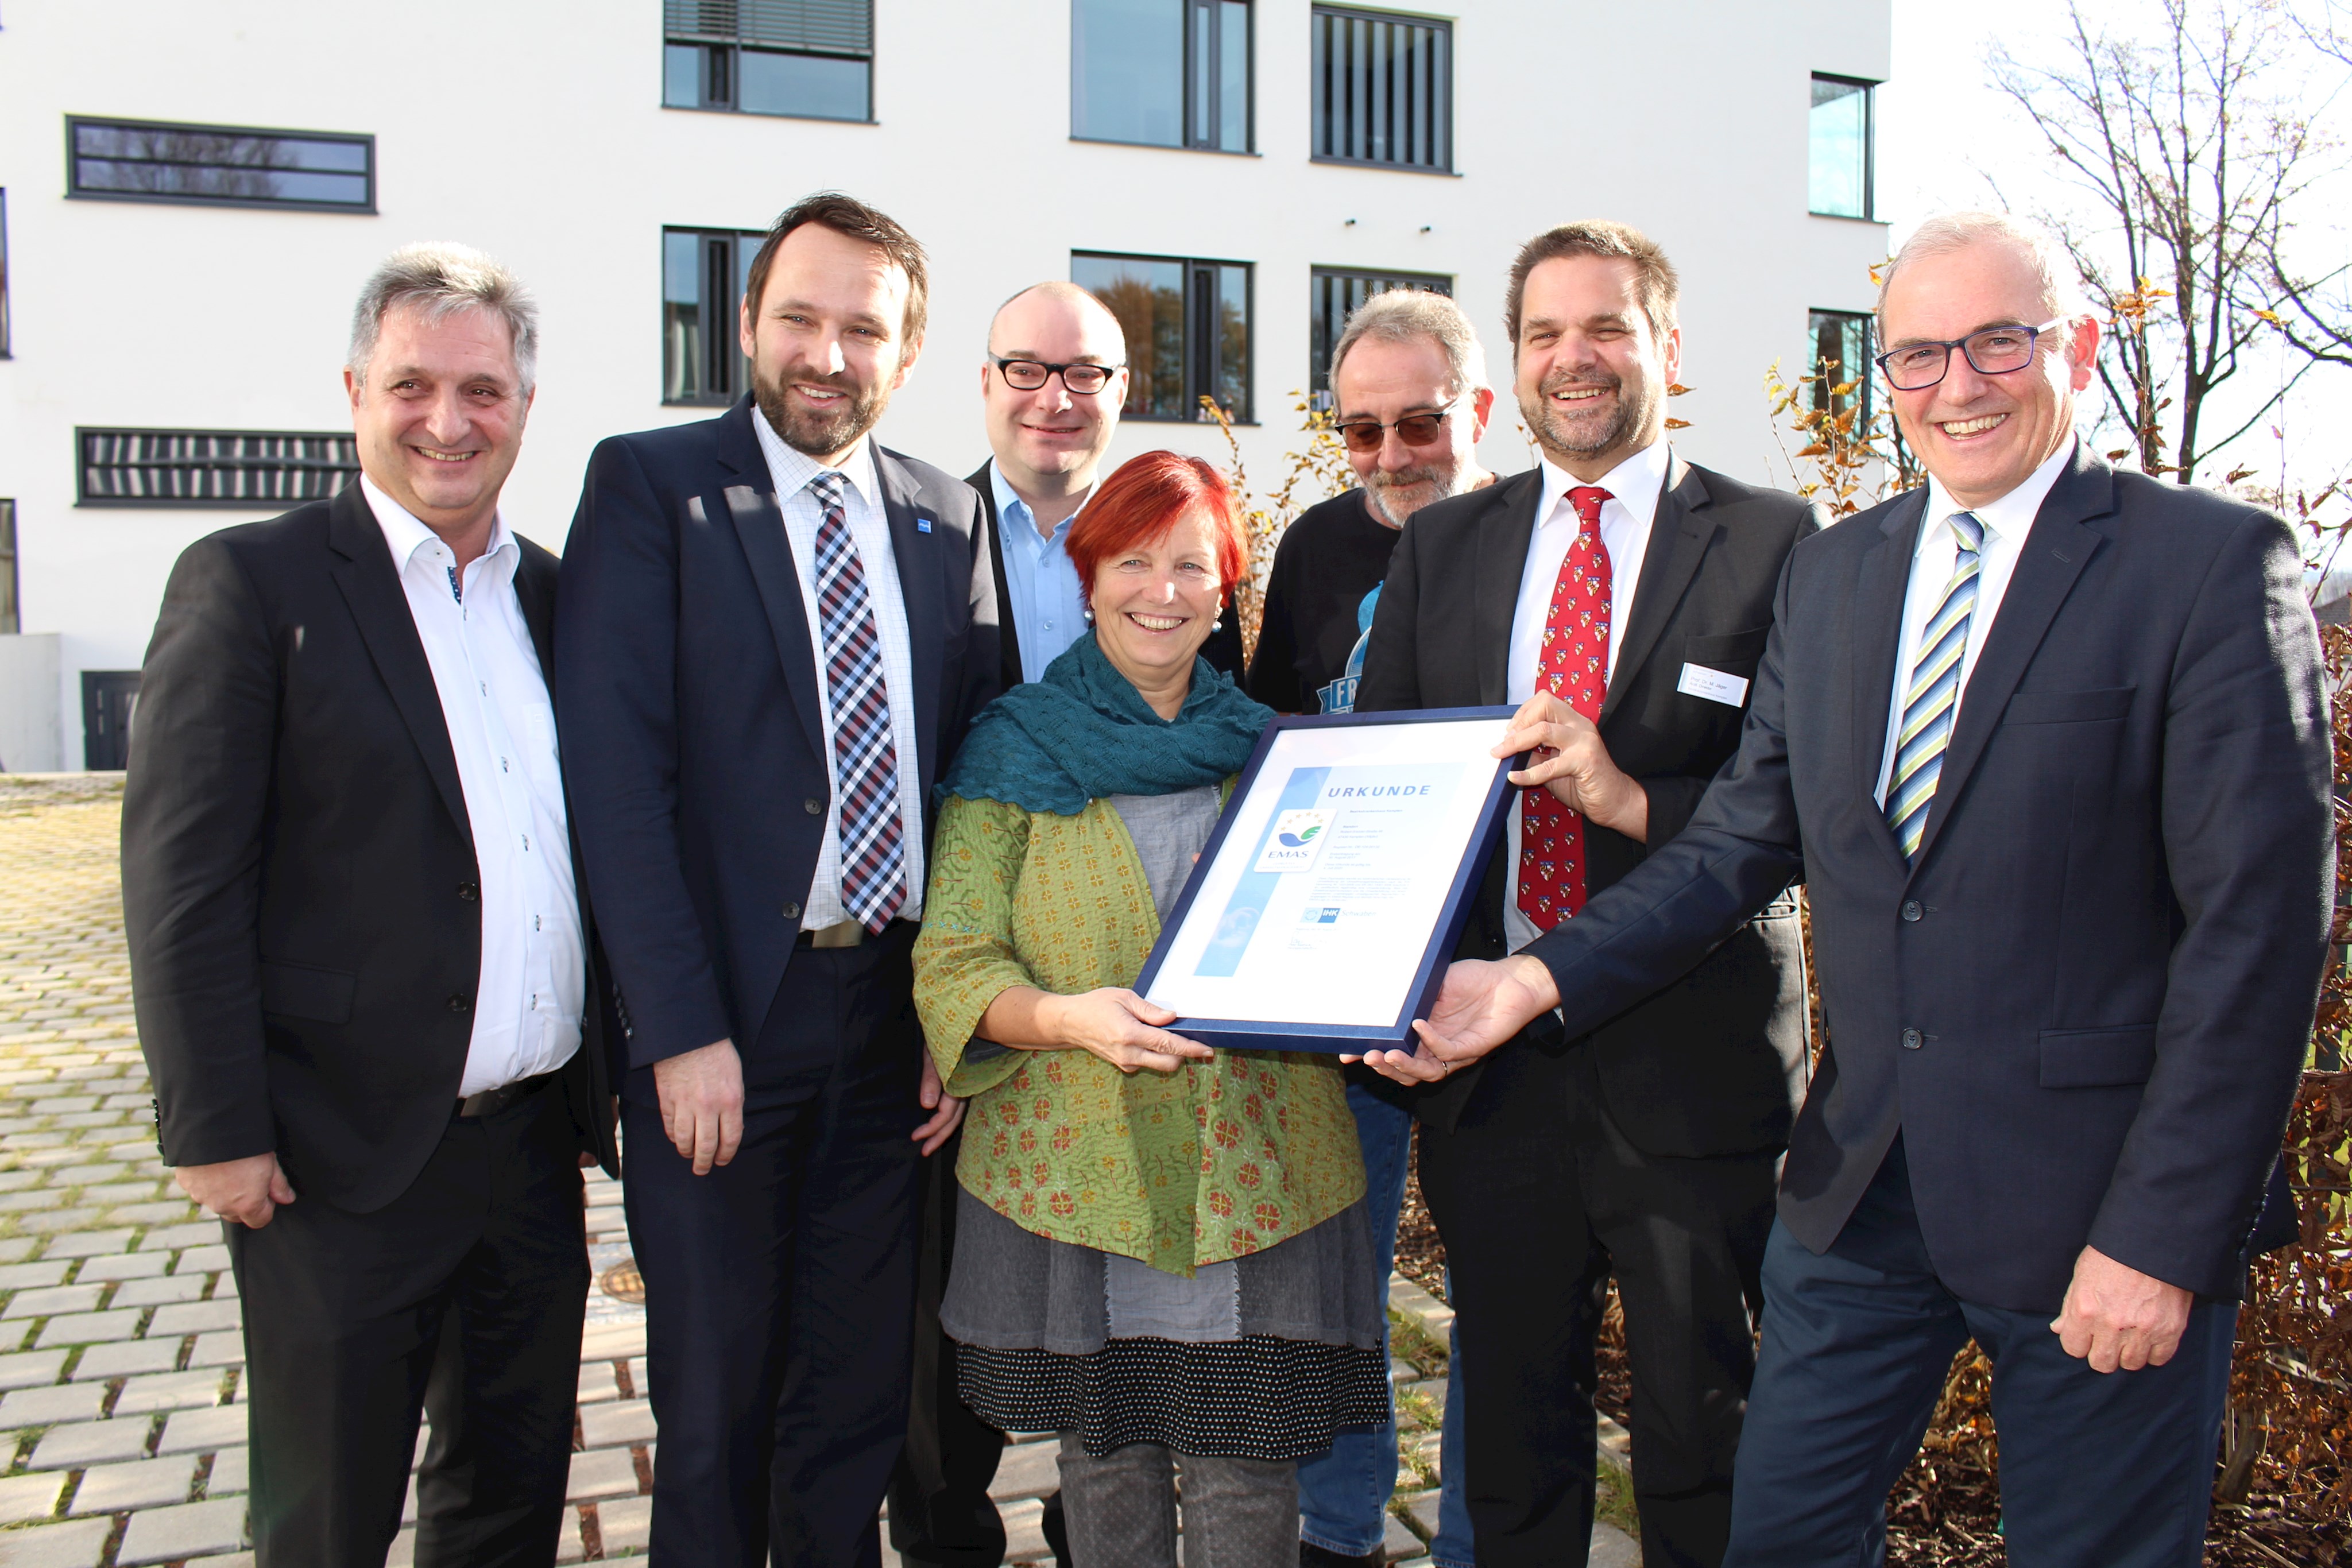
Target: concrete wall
{"type": "Point", "coordinates": [30, 730]}
{"type": "Point", "coordinates": [534, 131]}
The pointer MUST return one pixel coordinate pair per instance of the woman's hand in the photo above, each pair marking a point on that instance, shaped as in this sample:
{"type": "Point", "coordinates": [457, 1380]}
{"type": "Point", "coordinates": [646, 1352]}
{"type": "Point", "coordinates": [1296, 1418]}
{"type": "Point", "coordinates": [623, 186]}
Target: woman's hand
{"type": "Point", "coordinates": [1119, 1027]}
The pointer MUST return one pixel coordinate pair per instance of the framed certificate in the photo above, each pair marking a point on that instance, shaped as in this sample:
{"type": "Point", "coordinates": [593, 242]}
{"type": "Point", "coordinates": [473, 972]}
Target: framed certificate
{"type": "Point", "coordinates": [1328, 901]}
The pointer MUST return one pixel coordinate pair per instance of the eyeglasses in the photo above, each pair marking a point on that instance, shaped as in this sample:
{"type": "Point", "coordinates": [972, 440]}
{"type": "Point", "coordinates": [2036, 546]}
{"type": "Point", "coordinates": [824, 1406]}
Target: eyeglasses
{"type": "Point", "coordinates": [1995, 351]}
{"type": "Point", "coordinates": [1413, 429]}
{"type": "Point", "coordinates": [1031, 375]}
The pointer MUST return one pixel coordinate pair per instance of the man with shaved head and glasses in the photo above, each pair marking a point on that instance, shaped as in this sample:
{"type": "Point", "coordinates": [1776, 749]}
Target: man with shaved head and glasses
{"type": "Point", "coordinates": [1620, 595]}
{"type": "Point", "coordinates": [2050, 742]}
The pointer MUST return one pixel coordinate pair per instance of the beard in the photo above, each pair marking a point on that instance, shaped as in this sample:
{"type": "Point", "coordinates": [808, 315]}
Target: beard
{"type": "Point", "coordinates": [1394, 497]}
{"type": "Point", "coordinates": [1566, 436]}
{"type": "Point", "coordinates": [807, 431]}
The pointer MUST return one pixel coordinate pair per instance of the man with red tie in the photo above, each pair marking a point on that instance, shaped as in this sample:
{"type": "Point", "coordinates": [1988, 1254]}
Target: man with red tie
{"type": "Point", "coordinates": [1619, 596]}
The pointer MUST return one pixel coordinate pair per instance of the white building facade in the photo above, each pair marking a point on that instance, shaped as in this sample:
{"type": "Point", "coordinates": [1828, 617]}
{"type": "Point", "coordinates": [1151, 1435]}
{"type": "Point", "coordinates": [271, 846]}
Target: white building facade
{"type": "Point", "coordinates": [192, 190]}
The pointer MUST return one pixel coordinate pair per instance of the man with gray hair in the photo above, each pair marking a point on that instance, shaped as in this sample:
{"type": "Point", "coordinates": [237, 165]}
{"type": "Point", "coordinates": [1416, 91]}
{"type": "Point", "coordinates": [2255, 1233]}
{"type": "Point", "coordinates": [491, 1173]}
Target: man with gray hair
{"type": "Point", "coordinates": [360, 957]}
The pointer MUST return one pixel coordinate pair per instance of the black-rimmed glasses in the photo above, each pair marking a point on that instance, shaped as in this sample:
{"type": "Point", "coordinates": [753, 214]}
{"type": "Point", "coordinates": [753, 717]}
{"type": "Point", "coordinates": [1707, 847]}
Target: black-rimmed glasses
{"type": "Point", "coordinates": [1994, 352]}
{"type": "Point", "coordinates": [1031, 375]}
{"type": "Point", "coordinates": [1413, 429]}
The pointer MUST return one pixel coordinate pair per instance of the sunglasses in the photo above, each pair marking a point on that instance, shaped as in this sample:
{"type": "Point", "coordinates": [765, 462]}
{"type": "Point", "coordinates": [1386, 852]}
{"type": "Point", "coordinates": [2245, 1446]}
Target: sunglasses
{"type": "Point", "coordinates": [1414, 430]}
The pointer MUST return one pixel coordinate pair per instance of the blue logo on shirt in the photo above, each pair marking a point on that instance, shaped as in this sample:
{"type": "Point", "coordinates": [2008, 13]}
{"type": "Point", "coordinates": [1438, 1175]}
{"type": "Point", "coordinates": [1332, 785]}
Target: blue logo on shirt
{"type": "Point", "coordinates": [1340, 696]}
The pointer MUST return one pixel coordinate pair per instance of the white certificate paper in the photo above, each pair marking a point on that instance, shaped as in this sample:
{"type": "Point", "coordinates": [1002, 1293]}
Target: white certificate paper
{"type": "Point", "coordinates": [1320, 903]}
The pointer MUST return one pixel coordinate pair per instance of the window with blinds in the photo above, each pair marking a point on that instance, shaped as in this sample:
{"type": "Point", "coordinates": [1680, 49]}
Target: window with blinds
{"type": "Point", "coordinates": [812, 59]}
{"type": "Point", "coordinates": [257, 470]}
{"type": "Point", "coordinates": [704, 274]}
{"type": "Point", "coordinates": [1383, 89]}
{"type": "Point", "coordinates": [1333, 292]}
{"type": "Point", "coordinates": [219, 165]}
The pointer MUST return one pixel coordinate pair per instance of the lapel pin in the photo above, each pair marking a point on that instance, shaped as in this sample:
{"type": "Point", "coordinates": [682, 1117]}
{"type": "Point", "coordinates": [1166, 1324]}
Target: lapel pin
{"type": "Point", "coordinates": [922, 525]}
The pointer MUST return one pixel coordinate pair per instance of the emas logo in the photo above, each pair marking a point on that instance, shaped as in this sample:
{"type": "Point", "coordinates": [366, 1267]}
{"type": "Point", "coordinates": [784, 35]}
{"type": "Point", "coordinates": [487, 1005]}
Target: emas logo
{"type": "Point", "coordinates": [1298, 837]}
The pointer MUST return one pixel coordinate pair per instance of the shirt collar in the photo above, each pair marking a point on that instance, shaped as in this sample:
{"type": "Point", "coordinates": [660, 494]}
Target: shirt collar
{"type": "Point", "coordinates": [1634, 483]}
{"type": "Point", "coordinates": [405, 535]}
{"type": "Point", "coordinates": [2010, 516]}
{"type": "Point", "coordinates": [792, 468]}
{"type": "Point", "coordinates": [1008, 500]}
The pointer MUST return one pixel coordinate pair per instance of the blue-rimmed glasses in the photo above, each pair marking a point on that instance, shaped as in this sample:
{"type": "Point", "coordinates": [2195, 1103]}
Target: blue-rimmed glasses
{"type": "Point", "coordinates": [1992, 351]}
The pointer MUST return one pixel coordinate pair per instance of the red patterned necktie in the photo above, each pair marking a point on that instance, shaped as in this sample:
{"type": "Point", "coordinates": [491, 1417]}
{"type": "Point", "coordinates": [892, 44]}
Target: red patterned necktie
{"type": "Point", "coordinates": [1574, 667]}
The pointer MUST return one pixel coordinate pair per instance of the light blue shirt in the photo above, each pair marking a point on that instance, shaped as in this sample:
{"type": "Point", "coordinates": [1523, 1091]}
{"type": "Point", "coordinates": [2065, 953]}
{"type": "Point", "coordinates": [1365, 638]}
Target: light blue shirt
{"type": "Point", "coordinates": [1048, 612]}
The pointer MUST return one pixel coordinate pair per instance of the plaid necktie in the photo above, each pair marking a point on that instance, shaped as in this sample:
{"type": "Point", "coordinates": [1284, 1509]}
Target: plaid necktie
{"type": "Point", "coordinates": [1574, 667]}
{"type": "Point", "coordinates": [1934, 691]}
{"type": "Point", "coordinates": [865, 757]}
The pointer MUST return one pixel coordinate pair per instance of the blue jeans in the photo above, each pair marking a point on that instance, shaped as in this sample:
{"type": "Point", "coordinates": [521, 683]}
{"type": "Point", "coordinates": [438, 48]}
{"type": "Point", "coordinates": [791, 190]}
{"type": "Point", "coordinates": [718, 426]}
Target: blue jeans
{"type": "Point", "coordinates": [1343, 1495]}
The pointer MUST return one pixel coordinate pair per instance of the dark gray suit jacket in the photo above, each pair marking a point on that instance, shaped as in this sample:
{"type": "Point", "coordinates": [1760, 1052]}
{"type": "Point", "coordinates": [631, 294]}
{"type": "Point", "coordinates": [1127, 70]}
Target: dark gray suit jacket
{"type": "Point", "coordinates": [1715, 1061]}
{"type": "Point", "coordinates": [2086, 1006]}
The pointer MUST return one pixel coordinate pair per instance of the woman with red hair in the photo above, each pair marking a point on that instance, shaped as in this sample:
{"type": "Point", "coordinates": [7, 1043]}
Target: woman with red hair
{"type": "Point", "coordinates": [1161, 1248]}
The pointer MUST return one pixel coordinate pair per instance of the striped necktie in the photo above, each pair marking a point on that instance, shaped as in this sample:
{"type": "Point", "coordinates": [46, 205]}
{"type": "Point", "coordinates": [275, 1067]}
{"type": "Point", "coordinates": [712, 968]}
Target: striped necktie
{"type": "Point", "coordinates": [1934, 693]}
{"type": "Point", "coordinates": [865, 757]}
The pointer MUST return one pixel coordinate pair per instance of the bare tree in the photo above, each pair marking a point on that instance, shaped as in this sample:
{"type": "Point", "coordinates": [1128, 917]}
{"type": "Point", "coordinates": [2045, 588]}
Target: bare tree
{"type": "Point", "coordinates": [2194, 165]}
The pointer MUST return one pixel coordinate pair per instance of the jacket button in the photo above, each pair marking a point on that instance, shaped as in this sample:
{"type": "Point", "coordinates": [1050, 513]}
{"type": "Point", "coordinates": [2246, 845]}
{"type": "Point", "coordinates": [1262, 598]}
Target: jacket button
{"type": "Point", "coordinates": [469, 891]}
{"type": "Point", "coordinates": [1911, 909]}
{"type": "Point", "coordinates": [791, 912]}
{"type": "Point", "coordinates": [813, 807]}
{"type": "Point", "coordinates": [459, 1005]}
{"type": "Point", "coordinates": [1913, 1039]}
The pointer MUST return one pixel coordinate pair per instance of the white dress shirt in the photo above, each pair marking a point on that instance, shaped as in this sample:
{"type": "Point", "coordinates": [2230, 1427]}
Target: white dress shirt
{"type": "Point", "coordinates": [869, 526]}
{"type": "Point", "coordinates": [2006, 523]}
{"type": "Point", "coordinates": [534, 974]}
{"type": "Point", "coordinates": [1634, 486]}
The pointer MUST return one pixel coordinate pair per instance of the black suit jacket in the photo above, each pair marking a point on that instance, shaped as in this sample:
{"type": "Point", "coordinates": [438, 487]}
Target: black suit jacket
{"type": "Point", "coordinates": [2086, 1006]}
{"type": "Point", "coordinates": [298, 882]}
{"type": "Point", "coordinates": [1222, 650]}
{"type": "Point", "coordinates": [1715, 1061]}
{"type": "Point", "coordinates": [699, 775]}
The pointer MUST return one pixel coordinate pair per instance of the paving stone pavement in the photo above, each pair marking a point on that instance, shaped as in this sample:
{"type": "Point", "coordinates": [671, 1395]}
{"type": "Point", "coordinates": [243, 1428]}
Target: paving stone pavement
{"type": "Point", "coordinates": [121, 1358]}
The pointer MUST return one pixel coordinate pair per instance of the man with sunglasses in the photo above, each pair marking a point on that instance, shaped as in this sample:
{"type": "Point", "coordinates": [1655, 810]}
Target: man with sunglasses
{"type": "Point", "coordinates": [2052, 742]}
{"type": "Point", "coordinates": [1622, 596]}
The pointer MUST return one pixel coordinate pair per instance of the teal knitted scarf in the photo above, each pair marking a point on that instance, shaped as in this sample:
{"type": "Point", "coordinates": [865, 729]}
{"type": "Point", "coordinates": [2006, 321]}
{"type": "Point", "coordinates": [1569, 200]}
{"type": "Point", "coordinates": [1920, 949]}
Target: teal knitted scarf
{"type": "Point", "coordinates": [1082, 731]}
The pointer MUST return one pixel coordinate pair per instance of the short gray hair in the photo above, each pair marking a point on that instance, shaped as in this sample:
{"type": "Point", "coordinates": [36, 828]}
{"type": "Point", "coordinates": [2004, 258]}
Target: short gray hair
{"type": "Point", "coordinates": [1404, 315]}
{"type": "Point", "coordinates": [2062, 291]}
{"type": "Point", "coordinates": [442, 280]}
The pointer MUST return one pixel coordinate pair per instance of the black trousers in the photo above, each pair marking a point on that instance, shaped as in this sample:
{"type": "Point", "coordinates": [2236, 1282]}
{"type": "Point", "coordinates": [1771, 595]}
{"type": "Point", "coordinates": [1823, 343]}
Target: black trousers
{"type": "Point", "coordinates": [940, 1513]}
{"type": "Point", "coordinates": [779, 1288]}
{"type": "Point", "coordinates": [1540, 1198]}
{"type": "Point", "coordinates": [463, 1296]}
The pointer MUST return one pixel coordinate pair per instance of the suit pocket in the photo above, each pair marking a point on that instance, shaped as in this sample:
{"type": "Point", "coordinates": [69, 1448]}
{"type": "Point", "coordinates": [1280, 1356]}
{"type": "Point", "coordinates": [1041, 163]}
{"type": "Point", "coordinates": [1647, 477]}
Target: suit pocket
{"type": "Point", "coordinates": [300, 992]}
{"type": "Point", "coordinates": [1727, 650]}
{"type": "Point", "coordinates": [2068, 707]}
{"type": "Point", "coordinates": [2097, 1058]}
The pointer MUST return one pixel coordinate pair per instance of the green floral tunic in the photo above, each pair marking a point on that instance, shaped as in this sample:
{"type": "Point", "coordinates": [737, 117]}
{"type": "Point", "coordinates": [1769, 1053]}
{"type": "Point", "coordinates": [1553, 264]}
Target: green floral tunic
{"type": "Point", "coordinates": [1215, 1160]}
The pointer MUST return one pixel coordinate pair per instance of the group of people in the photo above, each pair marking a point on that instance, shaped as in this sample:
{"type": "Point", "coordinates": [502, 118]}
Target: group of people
{"type": "Point", "coordinates": [818, 811]}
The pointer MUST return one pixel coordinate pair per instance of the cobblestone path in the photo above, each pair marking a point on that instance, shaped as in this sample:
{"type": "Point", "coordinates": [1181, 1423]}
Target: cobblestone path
{"type": "Point", "coordinates": [120, 1350]}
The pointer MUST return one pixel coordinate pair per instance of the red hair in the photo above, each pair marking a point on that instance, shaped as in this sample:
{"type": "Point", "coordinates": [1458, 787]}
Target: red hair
{"type": "Point", "coordinates": [1141, 503]}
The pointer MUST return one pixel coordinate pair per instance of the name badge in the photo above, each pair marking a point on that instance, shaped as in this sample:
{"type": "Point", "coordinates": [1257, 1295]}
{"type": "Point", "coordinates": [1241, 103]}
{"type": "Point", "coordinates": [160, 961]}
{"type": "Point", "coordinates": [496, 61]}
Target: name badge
{"type": "Point", "coordinates": [1715, 686]}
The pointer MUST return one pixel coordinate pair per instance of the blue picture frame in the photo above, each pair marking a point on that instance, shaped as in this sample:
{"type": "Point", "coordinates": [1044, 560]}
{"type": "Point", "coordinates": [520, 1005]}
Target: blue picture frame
{"type": "Point", "coordinates": [1445, 931]}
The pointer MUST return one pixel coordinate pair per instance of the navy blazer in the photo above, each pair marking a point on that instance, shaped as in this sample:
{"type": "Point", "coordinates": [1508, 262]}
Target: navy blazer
{"type": "Point", "coordinates": [2085, 1007]}
{"type": "Point", "coordinates": [693, 739]}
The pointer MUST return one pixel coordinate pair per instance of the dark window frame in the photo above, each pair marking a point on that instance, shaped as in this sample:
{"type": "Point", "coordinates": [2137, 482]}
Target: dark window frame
{"type": "Point", "coordinates": [1869, 213]}
{"type": "Point", "coordinates": [717, 316]}
{"type": "Point", "coordinates": [1204, 357]}
{"type": "Point", "coordinates": [76, 191]}
{"type": "Point", "coordinates": [1325, 77]}
{"type": "Point", "coordinates": [1320, 321]}
{"type": "Point", "coordinates": [4, 350]}
{"type": "Point", "coordinates": [1195, 136]}
{"type": "Point", "coordinates": [1818, 397]}
{"type": "Point", "coordinates": [12, 588]}
{"type": "Point", "coordinates": [89, 447]}
{"type": "Point", "coordinates": [720, 73]}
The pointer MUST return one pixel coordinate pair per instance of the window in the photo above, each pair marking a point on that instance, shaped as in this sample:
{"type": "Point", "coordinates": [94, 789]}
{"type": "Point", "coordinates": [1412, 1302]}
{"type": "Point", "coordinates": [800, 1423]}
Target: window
{"type": "Point", "coordinates": [252, 469]}
{"type": "Point", "coordinates": [1383, 89]}
{"type": "Point", "coordinates": [1333, 292]}
{"type": "Point", "coordinates": [1188, 330]}
{"type": "Point", "coordinates": [1841, 353]}
{"type": "Point", "coordinates": [11, 620]}
{"type": "Point", "coordinates": [1838, 141]}
{"type": "Point", "coordinates": [110, 704]}
{"type": "Point", "coordinates": [219, 165]}
{"type": "Point", "coordinates": [813, 58]}
{"type": "Point", "coordinates": [1164, 73]}
{"type": "Point", "coordinates": [704, 274]}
